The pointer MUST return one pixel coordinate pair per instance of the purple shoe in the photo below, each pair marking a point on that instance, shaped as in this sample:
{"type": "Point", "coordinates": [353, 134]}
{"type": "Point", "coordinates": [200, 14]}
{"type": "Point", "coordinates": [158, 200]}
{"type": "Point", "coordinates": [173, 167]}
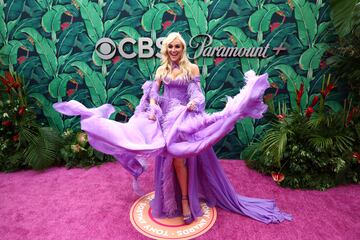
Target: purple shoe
{"type": "Point", "coordinates": [188, 219]}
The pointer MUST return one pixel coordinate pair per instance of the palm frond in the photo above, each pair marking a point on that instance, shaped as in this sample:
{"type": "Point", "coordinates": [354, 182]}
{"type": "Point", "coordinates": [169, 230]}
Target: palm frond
{"type": "Point", "coordinates": [44, 149]}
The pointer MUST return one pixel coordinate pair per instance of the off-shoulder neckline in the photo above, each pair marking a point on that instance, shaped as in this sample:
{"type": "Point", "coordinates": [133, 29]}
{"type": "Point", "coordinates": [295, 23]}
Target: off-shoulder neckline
{"type": "Point", "coordinates": [178, 79]}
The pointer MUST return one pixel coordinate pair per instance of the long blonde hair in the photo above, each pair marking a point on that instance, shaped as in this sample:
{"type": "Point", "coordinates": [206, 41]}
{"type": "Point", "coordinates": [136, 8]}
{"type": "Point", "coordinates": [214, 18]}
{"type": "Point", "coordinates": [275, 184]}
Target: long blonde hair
{"type": "Point", "coordinates": [165, 67]}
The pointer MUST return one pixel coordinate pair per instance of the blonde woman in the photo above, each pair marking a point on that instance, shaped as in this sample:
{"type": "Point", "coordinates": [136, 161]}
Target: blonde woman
{"type": "Point", "coordinates": [174, 128]}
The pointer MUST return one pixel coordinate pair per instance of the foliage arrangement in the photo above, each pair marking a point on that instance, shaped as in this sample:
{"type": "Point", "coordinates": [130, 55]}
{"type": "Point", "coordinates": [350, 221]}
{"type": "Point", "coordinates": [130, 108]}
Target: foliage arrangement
{"type": "Point", "coordinates": [346, 60]}
{"type": "Point", "coordinates": [52, 43]}
{"type": "Point", "coordinates": [23, 142]}
{"type": "Point", "coordinates": [76, 151]}
{"type": "Point", "coordinates": [26, 143]}
{"type": "Point", "coordinates": [315, 149]}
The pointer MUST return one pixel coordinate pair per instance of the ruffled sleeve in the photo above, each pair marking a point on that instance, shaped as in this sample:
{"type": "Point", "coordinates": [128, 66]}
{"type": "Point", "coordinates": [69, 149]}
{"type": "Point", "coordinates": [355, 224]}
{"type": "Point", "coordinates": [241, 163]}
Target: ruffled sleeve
{"type": "Point", "coordinates": [195, 94]}
{"type": "Point", "coordinates": [154, 92]}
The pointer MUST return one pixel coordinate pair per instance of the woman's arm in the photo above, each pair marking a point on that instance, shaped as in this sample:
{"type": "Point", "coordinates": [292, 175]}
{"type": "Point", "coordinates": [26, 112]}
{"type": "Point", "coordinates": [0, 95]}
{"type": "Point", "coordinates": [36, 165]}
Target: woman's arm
{"type": "Point", "coordinates": [155, 110]}
{"type": "Point", "coordinates": [154, 93]}
{"type": "Point", "coordinates": [196, 96]}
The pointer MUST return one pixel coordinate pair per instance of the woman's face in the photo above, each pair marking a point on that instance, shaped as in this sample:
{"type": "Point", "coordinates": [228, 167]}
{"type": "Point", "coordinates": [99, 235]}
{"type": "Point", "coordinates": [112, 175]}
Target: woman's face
{"type": "Point", "coordinates": [175, 50]}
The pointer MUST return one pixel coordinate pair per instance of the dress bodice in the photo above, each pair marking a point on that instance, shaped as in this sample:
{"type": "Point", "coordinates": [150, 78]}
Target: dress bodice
{"type": "Point", "coordinates": [176, 89]}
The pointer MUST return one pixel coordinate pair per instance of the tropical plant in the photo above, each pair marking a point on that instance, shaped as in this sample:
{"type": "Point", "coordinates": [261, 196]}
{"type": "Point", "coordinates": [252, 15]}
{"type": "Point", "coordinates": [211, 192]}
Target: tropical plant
{"type": "Point", "coordinates": [346, 59]}
{"type": "Point", "coordinates": [310, 149]}
{"type": "Point", "coordinates": [76, 151]}
{"type": "Point", "coordinates": [23, 142]}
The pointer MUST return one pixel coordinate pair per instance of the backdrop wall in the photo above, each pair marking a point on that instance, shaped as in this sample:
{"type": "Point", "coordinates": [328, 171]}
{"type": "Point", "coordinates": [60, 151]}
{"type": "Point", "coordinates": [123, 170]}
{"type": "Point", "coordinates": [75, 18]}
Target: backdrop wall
{"type": "Point", "coordinates": [51, 44]}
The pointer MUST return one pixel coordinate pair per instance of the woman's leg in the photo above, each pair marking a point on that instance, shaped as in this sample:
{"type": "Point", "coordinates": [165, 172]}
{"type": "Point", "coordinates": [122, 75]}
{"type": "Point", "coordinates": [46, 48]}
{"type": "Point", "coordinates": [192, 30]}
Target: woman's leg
{"type": "Point", "coordinates": [182, 176]}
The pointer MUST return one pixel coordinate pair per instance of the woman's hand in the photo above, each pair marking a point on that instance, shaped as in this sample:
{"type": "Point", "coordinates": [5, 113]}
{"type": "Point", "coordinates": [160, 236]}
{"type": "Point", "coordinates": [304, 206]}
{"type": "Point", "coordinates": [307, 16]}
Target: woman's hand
{"type": "Point", "coordinates": [152, 117]}
{"type": "Point", "coordinates": [191, 106]}
{"type": "Point", "coordinates": [153, 105]}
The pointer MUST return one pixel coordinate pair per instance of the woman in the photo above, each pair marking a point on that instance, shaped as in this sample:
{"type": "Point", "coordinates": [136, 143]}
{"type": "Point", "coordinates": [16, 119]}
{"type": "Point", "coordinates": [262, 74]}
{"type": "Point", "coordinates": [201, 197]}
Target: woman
{"type": "Point", "coordinates": [174, 128]}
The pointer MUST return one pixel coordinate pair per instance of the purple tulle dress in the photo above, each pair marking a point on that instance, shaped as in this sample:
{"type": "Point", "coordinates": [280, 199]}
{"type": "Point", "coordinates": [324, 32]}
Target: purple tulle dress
{"type": "Point", "coordinates": [179, 132]}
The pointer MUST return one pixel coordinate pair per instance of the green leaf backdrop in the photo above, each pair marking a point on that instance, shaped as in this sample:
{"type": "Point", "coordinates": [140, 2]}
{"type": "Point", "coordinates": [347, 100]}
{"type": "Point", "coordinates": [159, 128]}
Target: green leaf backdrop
{"type": "Point", "coordinates": [51, 44]}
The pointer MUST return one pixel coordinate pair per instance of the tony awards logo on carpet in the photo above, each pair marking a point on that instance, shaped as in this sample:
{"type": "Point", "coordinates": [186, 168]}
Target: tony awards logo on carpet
{"type": "Point", "coordinates": [168, 228]}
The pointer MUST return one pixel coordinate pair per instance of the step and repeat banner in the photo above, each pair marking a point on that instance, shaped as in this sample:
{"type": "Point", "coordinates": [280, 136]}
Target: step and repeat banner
{"type": "Point", "coordinates": [100, 52]}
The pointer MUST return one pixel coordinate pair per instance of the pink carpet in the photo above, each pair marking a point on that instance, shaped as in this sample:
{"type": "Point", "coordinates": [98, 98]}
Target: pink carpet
{"type": "Point", "coordinates": [94, 204]}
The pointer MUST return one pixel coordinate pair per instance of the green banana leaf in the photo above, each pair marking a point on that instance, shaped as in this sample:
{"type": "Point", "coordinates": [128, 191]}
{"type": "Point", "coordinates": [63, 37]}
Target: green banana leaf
{"type": "Point", "coordinates": [112, 9]}
{"type": "Point", "coordinates": [13, 9]}
{"type": "Point", "coordinates": [68, 37]}
{"type": "Point", "coordinates": [306, 21]}
{"type": "Point", "coordinates": [57, 87]}
{"type": "Point", "coordinates": [195, 17]}
{"type": "Point", "coordinates": [3, 28]}
{"type": "Point", "coordinates": [152, 19]}
{"type": "Point", "coordinates": [219, 8]}
{"type": "Point", "coordinates": [46, 50]}
{"type": "Point", "coordinates": [310, 59]}
{"type": "Point", "coordinates": [260, 20]}
{"type": "Point", "coordinates": [92, 19]}
{"type": "Point", "coordinates": [16, 33]}
{"type": "Point", "coordinates": [53, 117]}
{"type": "Point", "coordinates": [51, 20]}
{"type": "Point", "coordinates": [8, 53]}
{"type": "Point", "coordinates": [245, 130]}
{"type": "Point", "coordinates": [117, 74]}
{"type": "Point", "coordinates": [147, 66]}
{"type": "Point", "coordinates": [243, 40]}
{"type": "Point", "coordinates": [94, 81]}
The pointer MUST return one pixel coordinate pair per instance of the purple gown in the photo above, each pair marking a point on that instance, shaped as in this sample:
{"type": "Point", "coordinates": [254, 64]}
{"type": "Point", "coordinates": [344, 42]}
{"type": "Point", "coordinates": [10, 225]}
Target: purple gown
{"type": "Point", "coordinates": [179, 132]}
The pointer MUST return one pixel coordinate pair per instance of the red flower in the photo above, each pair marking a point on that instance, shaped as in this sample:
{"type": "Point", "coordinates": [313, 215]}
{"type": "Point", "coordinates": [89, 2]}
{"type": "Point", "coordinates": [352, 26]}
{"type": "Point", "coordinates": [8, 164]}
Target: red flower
{"type": "Point", "coordinates": [356, 155]}
{"type": "Point", "coordinates": [166, 24]}
{"type": "Point", "coordinates": [21, 111]}
{"type": "Point", "coordinates": [16, 137]}
{"type": "Point", "coordinates": [218, 60]}
{"type": "Point", "coordinates": [299, 94]}
{"type": "Point", "coordinates": [21, 59]}
{"type": "Point", "coordinates": [353, 111]}
{"type": "Point", "coordinates": [16, 85]}
{"type": "Point", "coordinates": [327, 90]}
{"type": "Point", "coordinates": [274, 26]}
{"type": "Point", "coordinates": [70, 92]}
{"type": "Point", "coordinates": [277, 177]}
{"type": "Point", "coordinates": [323, 64]}
{"type": "Point", "coordinates": [116, 59]}
{"type": "Point", "coordinates": [309, 111]}
{"type": "Point", "coordinates": [274, 85]}
{"type": "Point", "coordinates": [6, 123]}
{"type": "Point", "coordinates": [314, 101]}
{"type": "Point", "coordinates": [64, 26]}
{"type": "Point", "coordinates": [10, 82]}
{"type": "Point", "coordinates": [281, 116]}
{"type": "Point", "coordinates": [268, 97]}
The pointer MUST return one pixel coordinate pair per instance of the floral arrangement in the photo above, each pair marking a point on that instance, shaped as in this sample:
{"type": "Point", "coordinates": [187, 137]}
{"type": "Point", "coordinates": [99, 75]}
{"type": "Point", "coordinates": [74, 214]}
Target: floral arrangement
{"type": "Point", "coordinates": [76, 151]}
{"type": "Point", "coordinates": [27, 143]}
{"type": "Point", "coordinates": [316, 148]}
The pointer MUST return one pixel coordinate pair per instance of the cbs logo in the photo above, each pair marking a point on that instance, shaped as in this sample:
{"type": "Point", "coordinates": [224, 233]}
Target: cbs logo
{"type": "Point", "coordinates": [106, 48]}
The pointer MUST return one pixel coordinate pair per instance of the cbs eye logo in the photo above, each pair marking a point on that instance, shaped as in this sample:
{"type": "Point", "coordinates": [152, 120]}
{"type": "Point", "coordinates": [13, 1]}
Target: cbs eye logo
{"type": "Point", "coordinates": [106, 48]}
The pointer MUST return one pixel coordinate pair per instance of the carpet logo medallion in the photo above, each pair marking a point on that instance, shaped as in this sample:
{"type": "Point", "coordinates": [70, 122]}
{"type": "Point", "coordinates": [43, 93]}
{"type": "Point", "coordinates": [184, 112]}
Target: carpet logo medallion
{"type": "Point", "coordinates": [168, 228]}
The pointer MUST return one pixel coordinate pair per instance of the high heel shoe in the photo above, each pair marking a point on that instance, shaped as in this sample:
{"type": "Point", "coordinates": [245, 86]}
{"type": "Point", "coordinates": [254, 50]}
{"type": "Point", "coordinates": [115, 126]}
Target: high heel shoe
{"type": "Point", "coordinates": [188, 219]}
